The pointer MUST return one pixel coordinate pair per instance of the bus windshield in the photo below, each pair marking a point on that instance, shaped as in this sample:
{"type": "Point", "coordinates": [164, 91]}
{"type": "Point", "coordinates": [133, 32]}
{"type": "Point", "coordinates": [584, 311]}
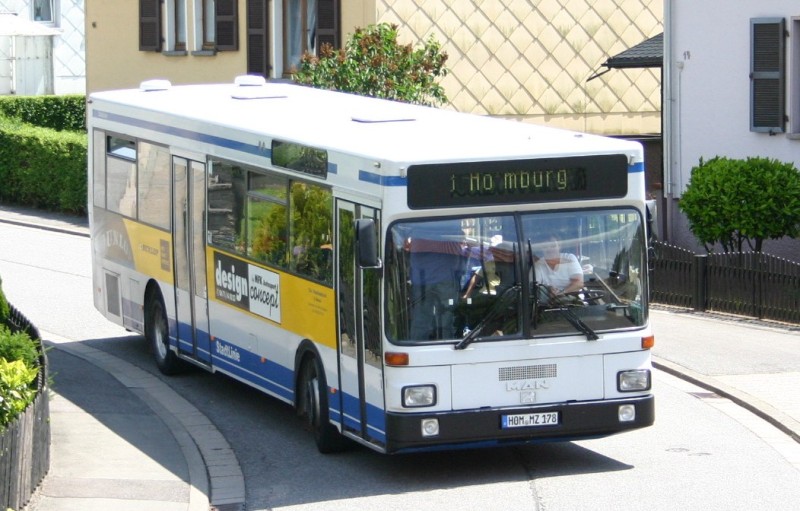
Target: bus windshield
{"type": "Point", "coordinates": [542, 274]}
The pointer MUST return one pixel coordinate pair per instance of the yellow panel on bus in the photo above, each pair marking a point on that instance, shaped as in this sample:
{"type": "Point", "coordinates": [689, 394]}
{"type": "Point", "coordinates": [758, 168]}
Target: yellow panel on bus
{"type": "Point", "coordinates": [298, 305]}
{"type": "Point", "coordinates": [151, 251]}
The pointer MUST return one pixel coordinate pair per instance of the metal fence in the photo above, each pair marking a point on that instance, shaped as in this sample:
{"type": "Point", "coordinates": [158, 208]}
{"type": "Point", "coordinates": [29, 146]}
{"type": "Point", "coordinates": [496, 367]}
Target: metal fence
{"type": "Point", "coordinates": [744, 283]}
{"type": "Point", "coordinates": [25, 443]}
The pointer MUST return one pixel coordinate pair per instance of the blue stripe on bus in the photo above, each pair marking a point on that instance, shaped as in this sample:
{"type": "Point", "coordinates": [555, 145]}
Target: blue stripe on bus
{"type": "Point", "coordinates": [189, 134]}
{"type": "Point", "coordinates": [279, 380]}
{"type": "Point", "coordinates": [377, 179]}
{"type": "Point", "coordinates": [376, 418]}
{"type": "Point", "coordinates": [636, 167]}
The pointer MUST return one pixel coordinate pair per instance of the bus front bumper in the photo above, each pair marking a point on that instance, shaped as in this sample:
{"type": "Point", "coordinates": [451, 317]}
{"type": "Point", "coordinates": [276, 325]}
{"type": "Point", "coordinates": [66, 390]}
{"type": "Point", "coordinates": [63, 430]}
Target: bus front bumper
{"type": "Point", "coordinates": [484, 427]}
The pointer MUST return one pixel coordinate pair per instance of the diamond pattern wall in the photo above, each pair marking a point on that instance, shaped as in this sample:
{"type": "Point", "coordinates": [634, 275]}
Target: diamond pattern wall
{"type": "Point", "coordinates": [531, 59]}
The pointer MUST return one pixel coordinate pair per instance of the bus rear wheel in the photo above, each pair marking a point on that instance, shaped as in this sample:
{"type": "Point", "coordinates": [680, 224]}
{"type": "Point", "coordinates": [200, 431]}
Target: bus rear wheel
{"type": "Point", "coordinates": [314, 406]}
{"type": "Point", "coordinates": [157, 335]}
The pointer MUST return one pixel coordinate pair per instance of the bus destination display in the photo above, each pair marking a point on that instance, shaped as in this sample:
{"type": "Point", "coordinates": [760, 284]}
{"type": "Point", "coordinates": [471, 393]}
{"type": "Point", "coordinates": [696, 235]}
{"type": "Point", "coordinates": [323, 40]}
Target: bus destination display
{"type": "Point", "coordinates": [517, 181]}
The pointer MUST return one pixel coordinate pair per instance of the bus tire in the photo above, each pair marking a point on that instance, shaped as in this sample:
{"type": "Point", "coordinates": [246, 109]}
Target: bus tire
{"type": "Point", "coordinates": [157, 335]}
{"type": "Point", "coordinates": [314, 406]}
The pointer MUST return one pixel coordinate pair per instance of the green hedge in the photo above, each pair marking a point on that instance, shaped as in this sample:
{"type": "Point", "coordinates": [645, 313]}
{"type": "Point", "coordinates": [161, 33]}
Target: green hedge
{"type": "Point", "coordinates": [61, 113]}
{"type": "Point", "coordinates": [42, 168]}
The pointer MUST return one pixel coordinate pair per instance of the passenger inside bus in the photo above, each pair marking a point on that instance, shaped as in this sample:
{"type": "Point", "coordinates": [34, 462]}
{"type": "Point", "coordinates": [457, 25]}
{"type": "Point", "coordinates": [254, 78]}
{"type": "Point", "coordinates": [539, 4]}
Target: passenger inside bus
{"type": "Point", "coordinates": [437, 265]}
{"type": "Point", "coordinates": [491, 269]}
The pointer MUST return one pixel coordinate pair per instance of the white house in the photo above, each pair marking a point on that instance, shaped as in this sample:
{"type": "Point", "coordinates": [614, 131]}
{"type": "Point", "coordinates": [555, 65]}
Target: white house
{"type": "Point", "coordinates": [60, 68]}
{"type": "Point", "coordinates": [731, 88]}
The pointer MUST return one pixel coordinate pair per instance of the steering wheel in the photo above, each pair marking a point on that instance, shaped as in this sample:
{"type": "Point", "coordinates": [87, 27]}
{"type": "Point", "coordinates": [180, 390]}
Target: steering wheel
{"type": "Point", "coordinates": [586, 296]}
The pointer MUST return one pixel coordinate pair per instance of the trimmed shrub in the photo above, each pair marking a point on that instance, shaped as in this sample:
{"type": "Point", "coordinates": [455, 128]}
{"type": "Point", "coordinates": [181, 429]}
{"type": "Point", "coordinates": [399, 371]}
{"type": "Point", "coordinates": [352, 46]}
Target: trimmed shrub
{"type": "Point", "coordinates": [5, 310]}
{"type": "Point", "coordinates": [18, 346]}
{"type": "Point", "coordinates": [733, 202]}
{"type": "Point", "coordinates": [66, 112]}
{"type": "Point", "coordinates": [43, 168]}
{"type": "Point", "coordinates": [17, 389]}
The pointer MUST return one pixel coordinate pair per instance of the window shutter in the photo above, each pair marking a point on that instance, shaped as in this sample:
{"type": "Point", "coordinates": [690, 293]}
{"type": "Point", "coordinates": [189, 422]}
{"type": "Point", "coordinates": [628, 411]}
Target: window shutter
{"type": "Point", "coordinates": [257, 38]}
{"type": "Point", "coordinates": [767, 75]}
{"type": "Point", "coordinates": [227, 25]}
{"type": "Point", "coordinates": [327, 23]}
{"type": "Point", "coordinates": [149, 25]}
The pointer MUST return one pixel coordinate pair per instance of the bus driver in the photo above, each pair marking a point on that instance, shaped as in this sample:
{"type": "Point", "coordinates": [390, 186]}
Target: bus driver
{"type": "Point", "coordinates": [559, 272]}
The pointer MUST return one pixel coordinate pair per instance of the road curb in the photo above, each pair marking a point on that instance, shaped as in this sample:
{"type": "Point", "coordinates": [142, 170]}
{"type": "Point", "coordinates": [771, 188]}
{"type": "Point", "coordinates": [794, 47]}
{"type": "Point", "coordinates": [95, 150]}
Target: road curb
{"type": "Point", "coordinates": [42, 224]}
{"type": "Point", "coordinates": [760, 408]}
{"type": "Point", "coordinates": [218, 485]}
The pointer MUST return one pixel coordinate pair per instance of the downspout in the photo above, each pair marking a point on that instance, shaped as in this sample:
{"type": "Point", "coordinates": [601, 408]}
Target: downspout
{"type": "Point", "coordinates": [667, 125]}
{"type": "Point", "coordinates": [13, 66]}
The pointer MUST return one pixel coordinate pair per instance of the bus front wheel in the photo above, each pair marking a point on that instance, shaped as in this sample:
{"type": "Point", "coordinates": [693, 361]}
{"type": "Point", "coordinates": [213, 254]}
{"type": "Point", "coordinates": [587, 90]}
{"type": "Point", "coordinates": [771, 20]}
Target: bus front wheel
{"type": "Point", "coordinates": [314, 406]}
{"type": "Point", "coordinates": [157, 334]}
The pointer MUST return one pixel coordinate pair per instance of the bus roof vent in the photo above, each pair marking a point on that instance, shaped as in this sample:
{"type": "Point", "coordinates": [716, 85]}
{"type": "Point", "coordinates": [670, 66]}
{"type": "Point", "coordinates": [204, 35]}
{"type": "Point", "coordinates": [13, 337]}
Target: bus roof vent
{"type": "Point", "coordinates": [371, 118]}
{"type": "Point", "coordinates": [249, 81]}
{"type": "Point", "coordinates": [255, 87]}
{"type": "Point", "coordinates": [154, 85]}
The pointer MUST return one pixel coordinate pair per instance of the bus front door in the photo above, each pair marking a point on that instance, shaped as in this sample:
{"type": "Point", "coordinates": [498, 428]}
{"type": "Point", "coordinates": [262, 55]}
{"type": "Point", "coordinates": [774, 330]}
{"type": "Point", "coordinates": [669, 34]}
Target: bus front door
{"type": "Point", "coordinates": [191, 293]}
{"type": "Point", "coordinates": [360, 365]}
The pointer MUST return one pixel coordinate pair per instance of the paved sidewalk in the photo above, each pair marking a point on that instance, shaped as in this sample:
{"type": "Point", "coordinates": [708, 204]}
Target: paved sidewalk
{"type": "Point", "coordinates": [122, 439]}
{"type": "Point", "coordinates": [131, 442]}
{"type": "Point", "coordinates": [755, 364]}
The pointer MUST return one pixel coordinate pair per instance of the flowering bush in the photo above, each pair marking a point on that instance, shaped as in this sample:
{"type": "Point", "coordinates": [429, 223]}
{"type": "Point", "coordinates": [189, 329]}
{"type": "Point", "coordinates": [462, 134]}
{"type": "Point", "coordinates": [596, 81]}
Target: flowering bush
{"type": "Point", "coordinates": [373, 63]}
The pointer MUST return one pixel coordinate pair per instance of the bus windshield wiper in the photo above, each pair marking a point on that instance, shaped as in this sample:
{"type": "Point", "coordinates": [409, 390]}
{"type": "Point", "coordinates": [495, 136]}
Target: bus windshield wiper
{"type": "Point", "coordinates": [499, 305]}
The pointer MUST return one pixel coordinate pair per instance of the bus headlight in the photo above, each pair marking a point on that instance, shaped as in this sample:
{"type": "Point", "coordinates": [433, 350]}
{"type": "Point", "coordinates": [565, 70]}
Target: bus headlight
{"type": "Point", "coordinates": [419, 395]}
{"type": "Point", "coordinates": [633, 381]}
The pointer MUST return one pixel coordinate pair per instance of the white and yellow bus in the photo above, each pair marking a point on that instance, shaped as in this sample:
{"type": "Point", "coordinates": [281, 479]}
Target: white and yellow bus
{"type": "Point", "coordinates": [408, 278]}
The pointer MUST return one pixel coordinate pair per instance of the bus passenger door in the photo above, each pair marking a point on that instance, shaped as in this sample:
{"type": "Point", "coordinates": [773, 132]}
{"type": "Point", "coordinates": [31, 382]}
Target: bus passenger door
{"type": "Point", "coordinates": [191, 293]}
{"type": "Point", "coordinates": [360, 353]}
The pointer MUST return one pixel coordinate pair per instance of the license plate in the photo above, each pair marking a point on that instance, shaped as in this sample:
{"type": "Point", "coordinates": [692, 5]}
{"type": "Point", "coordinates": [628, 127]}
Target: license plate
{"type": "Point", "coordinates": [530, 420]}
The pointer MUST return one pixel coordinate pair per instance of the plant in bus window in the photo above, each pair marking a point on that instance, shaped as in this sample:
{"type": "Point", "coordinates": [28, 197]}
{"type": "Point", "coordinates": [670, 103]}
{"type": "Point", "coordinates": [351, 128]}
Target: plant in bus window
{"type": "Point", "coordinates": [312, 224]}
{"type": "Point", "coordinates": [301, 158]}
{"type": "Point", "coordinates": [266, 224]}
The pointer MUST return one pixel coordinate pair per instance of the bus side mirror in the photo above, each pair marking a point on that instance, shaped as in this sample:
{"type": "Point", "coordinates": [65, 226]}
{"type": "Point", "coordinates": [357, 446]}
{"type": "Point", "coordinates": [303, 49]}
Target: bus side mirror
{"type": "Point", "coordinates": [366, 244]}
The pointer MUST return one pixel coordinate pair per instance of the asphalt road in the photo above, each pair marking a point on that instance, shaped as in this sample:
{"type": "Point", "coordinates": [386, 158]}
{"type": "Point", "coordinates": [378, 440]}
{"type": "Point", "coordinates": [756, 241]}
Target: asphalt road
{"type": "Point", "coordinates": [702, 453]}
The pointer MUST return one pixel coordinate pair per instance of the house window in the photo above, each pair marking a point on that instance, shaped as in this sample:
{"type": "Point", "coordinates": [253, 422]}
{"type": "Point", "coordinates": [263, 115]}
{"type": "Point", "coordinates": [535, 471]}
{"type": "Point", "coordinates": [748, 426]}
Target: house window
{"type": "Point", "coordinates": [216, 26]}
{"type": "Point", "coordinates": [208, 41]}
{"type": "Point", "coordinates": [179, 22]}
{"type": "Point", "coordinates": [215, 22]}
{"type": "Point", "coordinates": [767, 75]}
{"type": "Point", "coordinates": [307, 25]}
{"type": "Point", "coordinates": [44, 11]}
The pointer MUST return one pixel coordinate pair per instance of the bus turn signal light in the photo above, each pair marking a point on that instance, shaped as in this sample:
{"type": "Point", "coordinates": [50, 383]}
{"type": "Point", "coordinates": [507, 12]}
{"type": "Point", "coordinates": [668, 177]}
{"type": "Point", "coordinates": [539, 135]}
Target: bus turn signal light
{"type": "Point", "coordinates": [648, 342]}
{"type": "Point", "coordinates": [394, 358]}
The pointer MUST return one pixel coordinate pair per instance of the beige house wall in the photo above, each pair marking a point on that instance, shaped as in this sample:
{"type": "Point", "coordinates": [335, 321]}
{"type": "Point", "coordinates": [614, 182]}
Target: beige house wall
{"type": "Point", "coordinates": [114, 60]}
{"type": "Point", "coordinates": [532, 59]}
{"type": "Point", "coordinates": [522, 59]}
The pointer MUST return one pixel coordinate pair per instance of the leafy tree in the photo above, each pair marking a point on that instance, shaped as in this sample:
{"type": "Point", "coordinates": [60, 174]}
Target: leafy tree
{"type": "Point", "coordinates": [732, 202]}
{"type": "Point", "coordinates": [373, 63]}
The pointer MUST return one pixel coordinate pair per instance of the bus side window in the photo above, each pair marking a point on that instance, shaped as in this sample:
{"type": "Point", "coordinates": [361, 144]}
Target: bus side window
{"type": "Point", "coordinates": [311, 214]}
{"type": "Point", "coordinates": [226, 192]}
